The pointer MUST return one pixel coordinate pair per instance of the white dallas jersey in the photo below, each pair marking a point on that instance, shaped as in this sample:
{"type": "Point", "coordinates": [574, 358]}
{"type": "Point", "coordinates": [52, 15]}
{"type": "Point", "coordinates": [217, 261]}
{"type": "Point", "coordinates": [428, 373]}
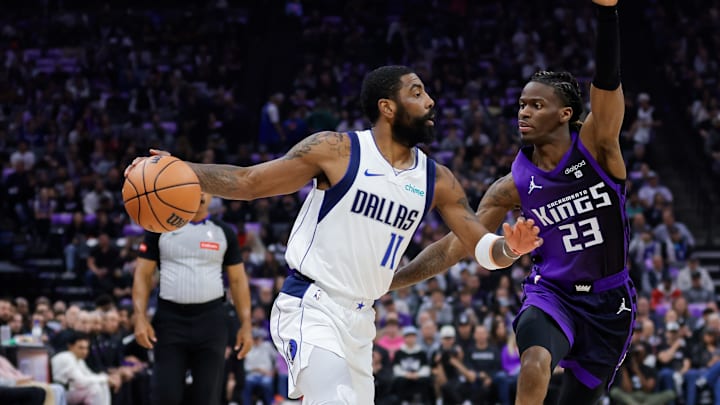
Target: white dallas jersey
{"type": "Point", "coordinates": [351, 237]}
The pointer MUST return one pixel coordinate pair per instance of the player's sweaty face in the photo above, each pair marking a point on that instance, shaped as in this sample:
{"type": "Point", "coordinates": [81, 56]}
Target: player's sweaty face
{"type": "Point", "coordinates": [540, 111]}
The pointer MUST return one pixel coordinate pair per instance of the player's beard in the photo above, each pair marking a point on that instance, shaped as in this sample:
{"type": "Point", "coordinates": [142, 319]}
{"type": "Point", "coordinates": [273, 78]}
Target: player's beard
{"type": "Point", "coordinates": [409, 131]}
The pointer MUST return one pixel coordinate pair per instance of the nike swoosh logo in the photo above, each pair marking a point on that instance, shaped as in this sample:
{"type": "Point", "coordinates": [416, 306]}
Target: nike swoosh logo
{"type": "Point", "coordinates": [367, 173]}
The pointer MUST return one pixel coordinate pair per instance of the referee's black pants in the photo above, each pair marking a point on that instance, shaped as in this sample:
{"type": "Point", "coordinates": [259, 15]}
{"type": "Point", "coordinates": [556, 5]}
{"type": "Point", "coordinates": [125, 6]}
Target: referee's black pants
{"type": "Point", "coordinates": [189, 337]}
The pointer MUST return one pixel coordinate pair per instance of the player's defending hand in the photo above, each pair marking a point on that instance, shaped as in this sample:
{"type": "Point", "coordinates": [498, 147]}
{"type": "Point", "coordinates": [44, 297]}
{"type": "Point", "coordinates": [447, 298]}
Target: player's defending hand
{"type": "Point", "coordinates": [138, 160]}
{"type": "Point", "coordinates": [244, 340]}
{"type": "Point", "coordinates": [522, 237]}
{"type": "Point", "coordinates": [608, 3]}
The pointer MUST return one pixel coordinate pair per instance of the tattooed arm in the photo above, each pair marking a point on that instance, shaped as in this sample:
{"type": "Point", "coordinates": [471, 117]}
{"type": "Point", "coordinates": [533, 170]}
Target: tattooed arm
{"type": "Point", "coordinates": [501, 197]}
{"type": "Point", "coordinates": [323, 153]}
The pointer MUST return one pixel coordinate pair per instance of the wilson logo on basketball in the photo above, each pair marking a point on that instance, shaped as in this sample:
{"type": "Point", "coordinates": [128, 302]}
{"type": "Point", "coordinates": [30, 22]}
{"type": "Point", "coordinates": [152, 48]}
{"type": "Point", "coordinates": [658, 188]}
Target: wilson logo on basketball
{"type": "Point", "coordinates": [175, 221]}
{"type": "Point", "coordinates": [210, 245]}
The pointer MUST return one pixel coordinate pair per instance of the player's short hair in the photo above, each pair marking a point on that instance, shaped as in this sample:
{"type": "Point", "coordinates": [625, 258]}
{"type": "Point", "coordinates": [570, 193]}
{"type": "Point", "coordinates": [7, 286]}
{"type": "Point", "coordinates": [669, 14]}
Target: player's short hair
{"type": "Point", "coordinates": [75, 336]}
{"type": "Point", "coordinates": [567, 88]}
{"type": "Point", "coordinates": [383, 82]}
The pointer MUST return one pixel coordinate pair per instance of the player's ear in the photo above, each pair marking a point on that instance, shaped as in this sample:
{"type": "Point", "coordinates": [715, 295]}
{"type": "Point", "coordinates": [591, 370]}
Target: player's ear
{"type": "Point", "coordinates": [565, 114]}
{"type": "Point", "coordinates": [386, 107]}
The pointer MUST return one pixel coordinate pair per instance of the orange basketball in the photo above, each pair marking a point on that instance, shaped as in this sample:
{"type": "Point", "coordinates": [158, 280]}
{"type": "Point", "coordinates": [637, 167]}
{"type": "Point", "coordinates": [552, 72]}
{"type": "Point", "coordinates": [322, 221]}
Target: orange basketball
{"type": "Point", "coordinates": [161, 194]}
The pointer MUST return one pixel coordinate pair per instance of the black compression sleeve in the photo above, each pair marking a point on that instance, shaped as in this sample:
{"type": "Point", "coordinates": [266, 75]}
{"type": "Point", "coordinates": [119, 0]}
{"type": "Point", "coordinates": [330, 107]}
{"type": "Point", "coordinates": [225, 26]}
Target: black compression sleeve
{"type": "Point", "coordinates": [607, 49]}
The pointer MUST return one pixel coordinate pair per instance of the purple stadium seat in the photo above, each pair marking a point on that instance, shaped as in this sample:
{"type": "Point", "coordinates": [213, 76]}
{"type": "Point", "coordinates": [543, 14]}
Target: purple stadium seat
{"type": "Point", "coordinates": [61, 218]}
{"type": "Point", "coordinates": [697, 309]}
{"type": "Point", "coordinates": [661, 309]}
{"type": "Point", "coordinates": [133, 230]}
{"type": "Point", "coordinates": [90, 219]}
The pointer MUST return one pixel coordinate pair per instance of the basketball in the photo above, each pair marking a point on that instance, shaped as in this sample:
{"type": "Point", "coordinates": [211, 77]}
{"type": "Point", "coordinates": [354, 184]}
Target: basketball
{"type": "Point", "coordinates": [161, 194]}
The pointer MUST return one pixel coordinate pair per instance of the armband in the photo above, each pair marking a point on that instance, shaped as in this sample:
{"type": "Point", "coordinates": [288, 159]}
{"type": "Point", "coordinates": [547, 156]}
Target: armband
{"type": "Point", "coordinates": [483, 251]}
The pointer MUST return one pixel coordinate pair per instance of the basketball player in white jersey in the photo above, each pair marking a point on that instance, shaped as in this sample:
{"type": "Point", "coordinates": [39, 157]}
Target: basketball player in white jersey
{"type": "Point", "coordinates": [370, 191]}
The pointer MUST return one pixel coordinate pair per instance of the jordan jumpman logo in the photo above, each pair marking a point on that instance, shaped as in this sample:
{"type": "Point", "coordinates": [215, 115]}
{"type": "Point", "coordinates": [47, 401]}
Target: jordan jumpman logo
{"type": "Point", "coordinates": [533, 186]}
{"type": "Point", "coordinates": [622, 308]}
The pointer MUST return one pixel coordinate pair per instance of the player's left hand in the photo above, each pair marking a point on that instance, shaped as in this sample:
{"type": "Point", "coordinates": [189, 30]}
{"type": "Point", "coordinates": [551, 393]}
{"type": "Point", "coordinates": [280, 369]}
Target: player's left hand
{"type": "Point", "coordinates": [609, 3]}
{"type": "Point", "coordinates": [138, 160]}
{"type": "Point", "coordinates": [243, 340]}
{"type": "Point", "coordinates": [522, 237]}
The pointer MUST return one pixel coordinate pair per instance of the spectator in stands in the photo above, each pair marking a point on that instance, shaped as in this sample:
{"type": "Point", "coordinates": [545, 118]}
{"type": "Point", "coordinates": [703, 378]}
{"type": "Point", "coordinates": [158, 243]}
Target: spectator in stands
{"type": "Point", "coordinates": [91, 201]}
{"type": "Point", "coordinates": [688, 322]}
{"type": "Point", "coordinates": [510, 360]}
{"type": "Point", "coordinates": [272, 136]}
{"type": "Point", "coordinates": [438, 307]}
{"type": "Point", "coordinates": [61, 339]}
{"type": "Point", "coordinates": [653, 213]}
{"type": "Point", "coordinates": [654, 275]}
{"type": "Point", "coordinates": [677, 248]}
{"type": "Point", "coordinates": [643, 129]}
{"type": "Point", "coordinates": [484, 359]}
{"type": "Point", "coordinates": [411, 370]}
{"type": "Point", "coordinates": [664, 293]}
{"type": "Point", "coordinates": [54, 393]}
{"type": "Point", "coordinates": [44, 206]}
{"type": "Point", "coordinates": [664, 230]}
{"type": "Point", "coordinates": [102, 262]}
{"type": "Point", "coordinates": [383, 376]}
{"type": "Point", "coordinates": [429, 339]}
{"type": "Point", "coordinates": [698, 292]}
{"type": "Point", "coordinates": [6, 311]}
{"type": "Point", "coordinates": [68, 201]}
{"type": "Point", "coordinates": [76, 248]}
{"type": "Point", "coordinates": [260, 369]}
{"type": "Point", "coordinates": [685, 276]}
{"type": "Point", "coordinates": [464, 328]}
{"type": "Point", "coordinates": [673, 359]}
{"type": "Point", "coordinates": [387, 304]}
{"type": "Point", "coordinates": [637, 382]}
{"type": "Point", "coordinates": [84, 386]}
{"type": "Point", "coordinates": [651, 187]}
{"type": "Point", "coordinates": [17, 326]}
{"type": "Point", "coordinates": [451, 375]}
{"type": "Point", "coordinates": [390, 337]}
{"type": "Point", "coordinates": [702, 357]}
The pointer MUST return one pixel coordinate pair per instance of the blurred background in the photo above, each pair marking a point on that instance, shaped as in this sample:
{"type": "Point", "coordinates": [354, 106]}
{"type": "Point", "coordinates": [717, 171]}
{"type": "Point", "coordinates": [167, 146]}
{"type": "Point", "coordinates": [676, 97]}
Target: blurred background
{"type": "Point", "coordinates": [87, 86]}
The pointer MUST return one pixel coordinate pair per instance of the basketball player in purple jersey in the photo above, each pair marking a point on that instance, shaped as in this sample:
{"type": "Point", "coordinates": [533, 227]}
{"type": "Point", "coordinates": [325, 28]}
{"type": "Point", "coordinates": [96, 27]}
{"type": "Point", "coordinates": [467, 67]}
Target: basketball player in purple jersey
{"type": "Point", "coordinates": [579, 303]}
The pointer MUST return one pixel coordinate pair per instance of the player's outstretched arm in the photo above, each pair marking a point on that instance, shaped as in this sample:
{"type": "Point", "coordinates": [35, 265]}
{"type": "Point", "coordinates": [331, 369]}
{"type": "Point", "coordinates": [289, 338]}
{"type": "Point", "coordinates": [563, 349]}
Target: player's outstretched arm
{"type": "Point", "coordinates": [310, 158]}
{"type": "Point", "coordinates": [601, 131]}
{"type": "Point", "coordinates": [318, 154]}
{"type": "Point", "coordinates": [498, 200]}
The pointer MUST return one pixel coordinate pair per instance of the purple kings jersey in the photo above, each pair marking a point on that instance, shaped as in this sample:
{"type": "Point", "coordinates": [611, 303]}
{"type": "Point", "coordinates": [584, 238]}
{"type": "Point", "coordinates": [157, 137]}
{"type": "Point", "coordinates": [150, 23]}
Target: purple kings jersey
{"type": "Point", "coordinates": [580, 210]}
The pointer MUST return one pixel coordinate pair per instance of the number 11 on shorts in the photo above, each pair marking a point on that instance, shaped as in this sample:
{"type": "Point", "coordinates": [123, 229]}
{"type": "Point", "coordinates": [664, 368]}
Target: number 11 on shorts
{"type": "Point", "coordinates": [393, 246]}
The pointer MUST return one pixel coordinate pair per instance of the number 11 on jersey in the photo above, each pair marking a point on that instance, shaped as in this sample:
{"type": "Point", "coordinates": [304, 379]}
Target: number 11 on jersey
{"type": "Point", "coordinates": [389, 258]}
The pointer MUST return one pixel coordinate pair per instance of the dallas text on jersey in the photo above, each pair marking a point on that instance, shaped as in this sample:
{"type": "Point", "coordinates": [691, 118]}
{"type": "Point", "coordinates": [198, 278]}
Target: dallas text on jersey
{"type": "Point", "coordinates": [383, 210]}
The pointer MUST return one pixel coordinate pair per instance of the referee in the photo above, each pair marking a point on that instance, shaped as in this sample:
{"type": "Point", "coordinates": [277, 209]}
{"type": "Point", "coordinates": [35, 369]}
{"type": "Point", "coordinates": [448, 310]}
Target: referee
{"type": "Point", "coordinates": [189, 331]}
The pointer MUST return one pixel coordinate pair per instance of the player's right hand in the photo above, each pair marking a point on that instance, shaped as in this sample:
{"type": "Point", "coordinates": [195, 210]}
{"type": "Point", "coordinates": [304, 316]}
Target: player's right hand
{"type": "Point", "coordinates": [138, 160]}
{"type": "Point", "coordinates": [144, 333]}
{"type": "Point", "coordinates": [522, 237]}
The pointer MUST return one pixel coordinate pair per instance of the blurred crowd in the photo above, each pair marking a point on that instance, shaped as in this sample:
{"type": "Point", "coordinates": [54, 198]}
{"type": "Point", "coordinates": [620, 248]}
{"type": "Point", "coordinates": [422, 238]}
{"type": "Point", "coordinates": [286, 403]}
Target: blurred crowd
{"type": "Point", "coordinates": [92, 89]}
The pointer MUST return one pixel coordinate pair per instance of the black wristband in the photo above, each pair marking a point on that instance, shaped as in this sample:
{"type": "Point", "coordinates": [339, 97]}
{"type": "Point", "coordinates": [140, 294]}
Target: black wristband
{"type": "Point", "coordinates": [607, 48]}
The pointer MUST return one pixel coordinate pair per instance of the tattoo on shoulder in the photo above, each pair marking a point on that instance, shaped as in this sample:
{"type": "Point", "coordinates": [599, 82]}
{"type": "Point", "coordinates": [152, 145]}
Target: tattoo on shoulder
{"type": "Point", "coordinates": [334, 141]}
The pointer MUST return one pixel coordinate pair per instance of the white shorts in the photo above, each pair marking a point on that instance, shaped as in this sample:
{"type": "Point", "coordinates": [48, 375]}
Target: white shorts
{"type": "Point", "coordinates": [305, 316]}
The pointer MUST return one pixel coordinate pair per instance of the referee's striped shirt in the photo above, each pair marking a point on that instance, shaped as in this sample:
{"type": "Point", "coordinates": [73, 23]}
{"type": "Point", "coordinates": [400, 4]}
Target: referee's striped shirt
{"type": "Point", "coordinates": [191, 260]}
